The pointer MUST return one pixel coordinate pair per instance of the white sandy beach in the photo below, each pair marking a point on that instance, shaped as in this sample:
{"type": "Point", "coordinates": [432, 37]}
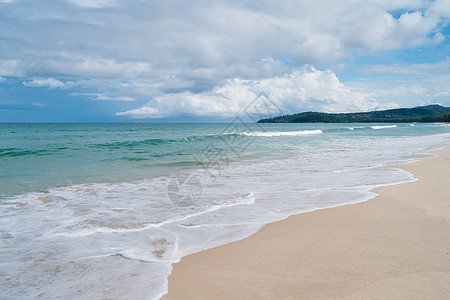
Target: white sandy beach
{"type": "Point", "coordinates": [395, 246]}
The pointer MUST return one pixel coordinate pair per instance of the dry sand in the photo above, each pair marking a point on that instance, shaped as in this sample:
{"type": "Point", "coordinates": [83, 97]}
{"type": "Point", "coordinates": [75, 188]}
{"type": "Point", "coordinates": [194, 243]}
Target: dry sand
{"type": "Point", "coordinates": [395, 246]}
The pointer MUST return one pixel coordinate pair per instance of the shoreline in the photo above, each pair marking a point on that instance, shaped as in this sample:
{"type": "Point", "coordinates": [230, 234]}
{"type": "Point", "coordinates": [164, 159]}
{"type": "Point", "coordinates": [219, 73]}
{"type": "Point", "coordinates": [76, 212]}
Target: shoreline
{"type": "Point", "coordinates": [395, 244]}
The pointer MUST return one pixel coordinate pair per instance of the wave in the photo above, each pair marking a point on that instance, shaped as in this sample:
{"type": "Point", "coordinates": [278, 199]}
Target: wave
{"type": "Point", "coordinates": [282, 133]}
{"type": "Point", "coordinates": [383, 127]}
{"type": "Point", "coordinates": [343, 129]}
{"type": "Point", "coordinates": [162, 141]}
{"type": "Point", "coordinates": [242, 200]}
{"type": "Point", "coordinates": [128, 144]}
{"type": "Point", "coordinates": [200, 138]}
{"type": "Point", "coordinates": [15, 152]}
{"type": "Point", "coordinates": [203, 138]}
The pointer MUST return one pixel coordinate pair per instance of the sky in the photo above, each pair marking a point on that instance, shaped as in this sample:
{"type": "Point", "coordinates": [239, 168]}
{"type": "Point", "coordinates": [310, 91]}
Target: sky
{"type": "Point", "coordinates": [205, 61]}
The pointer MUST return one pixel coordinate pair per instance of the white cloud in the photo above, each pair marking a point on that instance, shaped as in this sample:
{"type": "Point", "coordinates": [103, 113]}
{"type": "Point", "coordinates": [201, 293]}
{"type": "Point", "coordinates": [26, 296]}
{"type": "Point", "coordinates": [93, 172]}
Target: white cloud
{"type": "Point", "coordinates": [375, 29]}
{"type": "Point", "coordinates": [445, 94]}
{"type": "Point", "coordinates": [2, 79]}
{"type": "Point", "coordinates": [404, 90]}
{"type": "Point", "coordinates": [439, 8]}
{"type": "Point", "coordinates": [49, 82]}
{"type": "Point", "coordinates": [304, 89]}
{"type": "Point", "coordinates": [407, 89]}
{"type": "Point", "coordinates": [220, 40]}
{"type": "Point", "coordinates": [99, 96]}
{"type": "Point", "coordinates": [94, 3]}
{"type": "Point", "coordinates": [69, 64]}
{"type": "Point", "coordinates": [100, 67]}
{"type": "Point", "coordinates": [143, 112]}
{"type": "Point", "coordinates": [441, 67]}
{"type": "Point", "coordinates": [76, 65]}
{"type": "Point", "coordinates": [10, 67]}
{"type": "Point", "coordinates": [179, 52]}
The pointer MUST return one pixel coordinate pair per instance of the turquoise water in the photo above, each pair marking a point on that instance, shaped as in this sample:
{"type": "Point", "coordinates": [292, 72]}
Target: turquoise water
{"type": "Point", "coordinates": [36, 157]}
{"type": "Point", "coordinates": [103, 210]}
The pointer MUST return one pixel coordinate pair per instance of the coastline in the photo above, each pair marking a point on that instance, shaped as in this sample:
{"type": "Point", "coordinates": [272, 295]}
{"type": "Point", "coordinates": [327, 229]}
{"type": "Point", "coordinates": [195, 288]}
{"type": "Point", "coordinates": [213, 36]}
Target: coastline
{"type": "Point", "coordinates": [394, 245]}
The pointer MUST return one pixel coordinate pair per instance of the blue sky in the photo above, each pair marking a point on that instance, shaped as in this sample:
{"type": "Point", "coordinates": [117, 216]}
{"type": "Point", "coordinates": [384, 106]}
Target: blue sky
{"type": "Point", "coordinates": [204, 61]}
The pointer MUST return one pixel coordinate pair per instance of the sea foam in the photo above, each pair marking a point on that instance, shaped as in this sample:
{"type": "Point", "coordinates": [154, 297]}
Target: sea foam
{"type": "Point", "coordinates": [283, 133]}
{"type": "Point", "coordinates": [384, 127]}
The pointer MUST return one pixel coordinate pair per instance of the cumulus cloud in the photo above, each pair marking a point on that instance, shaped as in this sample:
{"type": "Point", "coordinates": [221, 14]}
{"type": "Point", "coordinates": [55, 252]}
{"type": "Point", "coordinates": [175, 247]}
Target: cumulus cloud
{"type": "Point", "coordinates": [219, 40]}
{"type": "Point", "coordinates": [48, 82]}
{"type": "Point", "coordinates": [188, 54]}
{"type": "Point", "coordinates": [302, 90]}
{"type": "Point", "coordinates": [376, 27]}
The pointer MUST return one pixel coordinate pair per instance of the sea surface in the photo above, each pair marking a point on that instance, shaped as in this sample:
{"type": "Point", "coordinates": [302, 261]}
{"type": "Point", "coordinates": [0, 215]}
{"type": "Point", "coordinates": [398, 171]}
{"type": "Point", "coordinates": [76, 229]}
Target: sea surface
{"type": "Point", "coordinates": [91, 211]}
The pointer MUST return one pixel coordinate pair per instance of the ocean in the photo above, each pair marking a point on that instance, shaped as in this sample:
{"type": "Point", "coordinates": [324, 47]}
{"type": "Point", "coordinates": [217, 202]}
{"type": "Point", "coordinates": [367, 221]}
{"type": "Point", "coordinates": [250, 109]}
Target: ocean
{"type": "Point", "coordinates": [103, 210]}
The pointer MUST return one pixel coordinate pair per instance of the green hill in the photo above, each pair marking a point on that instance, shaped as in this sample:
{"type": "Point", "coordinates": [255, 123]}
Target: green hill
{"type": "Point", "coordinates": [429, 113]}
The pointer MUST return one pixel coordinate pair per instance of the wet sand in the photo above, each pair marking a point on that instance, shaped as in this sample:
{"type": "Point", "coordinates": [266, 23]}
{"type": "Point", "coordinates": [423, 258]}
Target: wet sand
{"type": "Point", "coordinates": [394, 246]}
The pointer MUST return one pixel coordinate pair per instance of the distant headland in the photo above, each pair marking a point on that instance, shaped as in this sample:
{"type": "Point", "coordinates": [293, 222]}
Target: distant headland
{"type": "Point", "coordinates": [423, 114]}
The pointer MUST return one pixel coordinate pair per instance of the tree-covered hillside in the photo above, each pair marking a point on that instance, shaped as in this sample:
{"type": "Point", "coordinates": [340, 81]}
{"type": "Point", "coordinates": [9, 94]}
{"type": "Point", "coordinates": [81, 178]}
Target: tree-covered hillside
{"type": "Point", "coordinates": [429, 113]}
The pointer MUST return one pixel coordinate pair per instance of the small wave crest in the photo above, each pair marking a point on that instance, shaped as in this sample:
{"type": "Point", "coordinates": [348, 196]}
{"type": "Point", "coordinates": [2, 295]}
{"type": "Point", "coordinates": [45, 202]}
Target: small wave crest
{"type": "Point", "coordinates": [15, 152]}
{"type": "Point", "coordinates": [162, 141]}
{"type": "Point", "coordinates": [282, 133]}
{"type": "Point", "coordinates": [383, 127]}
